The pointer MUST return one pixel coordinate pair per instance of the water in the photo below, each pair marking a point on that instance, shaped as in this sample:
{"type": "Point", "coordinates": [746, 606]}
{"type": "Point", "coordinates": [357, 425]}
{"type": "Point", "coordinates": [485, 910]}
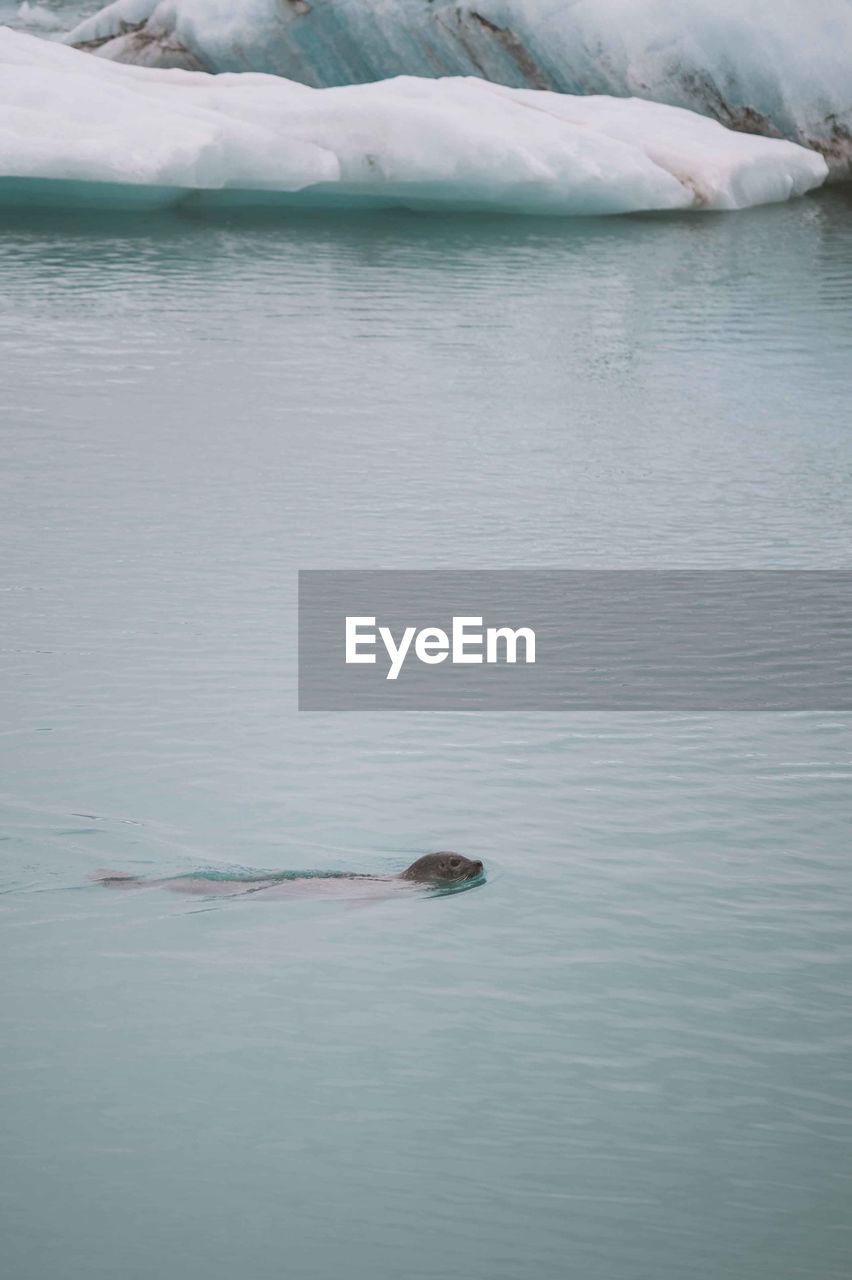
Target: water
{"type": "Point", "coordinates": [627, 1055]}
{"type": "Point", "coordinates": [47, 18]}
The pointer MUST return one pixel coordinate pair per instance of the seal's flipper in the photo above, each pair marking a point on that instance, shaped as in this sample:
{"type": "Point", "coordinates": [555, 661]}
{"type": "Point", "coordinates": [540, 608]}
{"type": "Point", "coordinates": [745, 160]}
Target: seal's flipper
{"type": "Point", "coordinates": [117, 880]}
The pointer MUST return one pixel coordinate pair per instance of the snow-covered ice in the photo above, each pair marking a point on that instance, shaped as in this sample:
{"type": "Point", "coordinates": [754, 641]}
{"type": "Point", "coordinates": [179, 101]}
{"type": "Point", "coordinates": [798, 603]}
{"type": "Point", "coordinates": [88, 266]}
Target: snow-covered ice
{"type": "Point", "coordinates": [777, 67]}
{"type": "Point", "coordinates": [458, 143]}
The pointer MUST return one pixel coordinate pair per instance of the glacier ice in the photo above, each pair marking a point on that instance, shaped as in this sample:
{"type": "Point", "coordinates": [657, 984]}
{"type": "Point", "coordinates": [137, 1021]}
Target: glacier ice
{"type": "Point", "coordinates": [777, 67]}
{"type": "Point", "coordinates": [99, 129]}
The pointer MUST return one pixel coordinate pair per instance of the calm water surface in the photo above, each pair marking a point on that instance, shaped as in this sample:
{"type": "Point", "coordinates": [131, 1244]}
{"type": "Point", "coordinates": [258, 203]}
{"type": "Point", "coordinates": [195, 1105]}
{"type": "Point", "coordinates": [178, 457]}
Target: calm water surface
{"type": "Point", "coordinates": [625, 1057]}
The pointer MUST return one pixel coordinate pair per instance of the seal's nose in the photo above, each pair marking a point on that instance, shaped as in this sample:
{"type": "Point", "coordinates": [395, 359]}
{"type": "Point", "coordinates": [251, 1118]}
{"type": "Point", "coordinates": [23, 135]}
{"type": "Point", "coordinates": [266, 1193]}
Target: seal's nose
{"type": "Point", "coordinates": [477, 868]}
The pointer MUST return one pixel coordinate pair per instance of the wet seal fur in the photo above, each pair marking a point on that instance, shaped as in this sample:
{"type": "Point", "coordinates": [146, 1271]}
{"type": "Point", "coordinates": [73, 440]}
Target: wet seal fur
{"type": "Point", "coordinates": [439, 870]}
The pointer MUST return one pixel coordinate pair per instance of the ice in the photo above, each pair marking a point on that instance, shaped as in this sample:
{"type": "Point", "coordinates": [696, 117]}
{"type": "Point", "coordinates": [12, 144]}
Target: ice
{"type": "Point", "coordinates": [76, 127]}
{"type": "Point", "coordinates": [776, 67]}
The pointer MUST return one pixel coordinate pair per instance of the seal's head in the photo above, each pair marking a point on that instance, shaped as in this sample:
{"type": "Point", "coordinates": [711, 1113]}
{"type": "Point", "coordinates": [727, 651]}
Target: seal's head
{"type": "Point", "coordinates": [443, 868]}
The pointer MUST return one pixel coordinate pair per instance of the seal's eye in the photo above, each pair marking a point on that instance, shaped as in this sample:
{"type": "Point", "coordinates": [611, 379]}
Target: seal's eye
{"type": "Point", "coordinates": [455, 863]}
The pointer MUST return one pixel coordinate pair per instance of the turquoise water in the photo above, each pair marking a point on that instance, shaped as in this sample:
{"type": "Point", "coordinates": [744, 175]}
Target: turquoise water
{"type": "Point", "coordinates": [624, 1056]}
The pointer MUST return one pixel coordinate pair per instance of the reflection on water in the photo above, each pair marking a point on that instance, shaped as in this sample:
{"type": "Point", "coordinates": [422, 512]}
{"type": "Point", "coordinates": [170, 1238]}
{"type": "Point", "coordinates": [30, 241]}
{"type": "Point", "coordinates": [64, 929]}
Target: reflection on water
{"type": "Point", "coordinates": [626, 1055]}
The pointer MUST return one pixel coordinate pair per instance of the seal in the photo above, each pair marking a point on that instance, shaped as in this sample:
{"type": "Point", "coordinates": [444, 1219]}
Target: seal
{"type": "Point", "coordinates": [439, 868]}
{"type": "Point", "coordinates": [444, 868]}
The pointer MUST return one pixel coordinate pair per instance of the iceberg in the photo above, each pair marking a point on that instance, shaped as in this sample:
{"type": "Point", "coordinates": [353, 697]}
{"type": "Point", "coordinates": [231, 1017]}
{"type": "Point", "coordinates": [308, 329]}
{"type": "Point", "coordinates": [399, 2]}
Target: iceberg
{"type": "Point", "coordinates": [775, 67]}
{"type": "Point", "coordinates": [74, 128]}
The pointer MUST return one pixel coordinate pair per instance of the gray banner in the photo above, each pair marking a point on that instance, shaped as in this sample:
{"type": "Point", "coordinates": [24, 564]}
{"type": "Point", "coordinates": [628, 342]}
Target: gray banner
{"type": "Point", "coordinates": [626, 640]}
